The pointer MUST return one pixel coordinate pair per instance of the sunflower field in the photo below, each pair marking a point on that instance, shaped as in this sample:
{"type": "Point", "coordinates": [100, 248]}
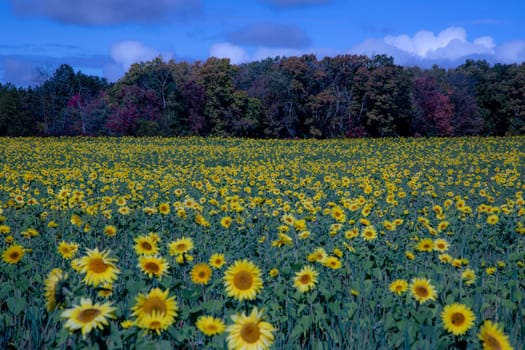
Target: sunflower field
{"type": "Point", "coordinates": [208, 243]}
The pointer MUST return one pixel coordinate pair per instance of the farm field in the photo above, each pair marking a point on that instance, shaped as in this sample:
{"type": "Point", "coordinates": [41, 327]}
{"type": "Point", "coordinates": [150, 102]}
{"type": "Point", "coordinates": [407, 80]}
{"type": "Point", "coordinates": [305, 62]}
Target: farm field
{"type": "Point", "coordinates": [208, 243]}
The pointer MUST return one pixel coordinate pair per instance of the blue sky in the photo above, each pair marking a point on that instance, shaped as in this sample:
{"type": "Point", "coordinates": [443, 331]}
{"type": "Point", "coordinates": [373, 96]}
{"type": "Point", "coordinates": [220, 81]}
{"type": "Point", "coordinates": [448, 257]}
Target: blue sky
{"type": "Point", "coordinates": [104, 37]}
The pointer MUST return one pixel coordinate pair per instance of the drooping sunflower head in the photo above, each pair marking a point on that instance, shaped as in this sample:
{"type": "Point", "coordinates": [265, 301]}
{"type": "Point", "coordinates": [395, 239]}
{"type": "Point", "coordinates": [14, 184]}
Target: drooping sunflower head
{"type": "Point", "coordinates": [180, 246]}
{"type": "Point", "coordinates": [98, 267]}
{"type": "Point", "coordinates": [493, 338]}
{"type": "Point", "coordinates": [156, 301]}
{"type": "Point", "coordinates": [422, 290]}
{"type": "Point", "coordinates": [13, 254]}
{"type": "Point", "coordinates": [250, 332]}
{"type": "Point", "coordinates": [145, 245]}
{"type": "Point", "coordinates": [87, 316]}
{"type": "Point", "coordinates": [53, 285]}
{"type": "Point", "coordinates": [210, 325]}
{"type": "Point", "coordinates": [201, 274]}
{"type": "Point", "coordinates": [457, 318]}
{"type": "Point", "coordinates": [153, 266]}
{"type": "Point", "coordinates": [306, 279]}
{"type": "Point", "coordinates": [243, 280]}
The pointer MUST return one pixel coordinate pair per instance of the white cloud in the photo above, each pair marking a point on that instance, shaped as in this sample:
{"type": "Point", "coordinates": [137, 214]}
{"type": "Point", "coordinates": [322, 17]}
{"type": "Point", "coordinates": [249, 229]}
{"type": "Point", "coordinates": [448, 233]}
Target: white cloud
{"type": "Point", "coordinates": [450, 46]}
{"type": "Point", "coordinates": [513, 51]}
{"type": "Point", "coordinates": [126, 53]}
{"type": "Point", "coordinates": [236, 54]}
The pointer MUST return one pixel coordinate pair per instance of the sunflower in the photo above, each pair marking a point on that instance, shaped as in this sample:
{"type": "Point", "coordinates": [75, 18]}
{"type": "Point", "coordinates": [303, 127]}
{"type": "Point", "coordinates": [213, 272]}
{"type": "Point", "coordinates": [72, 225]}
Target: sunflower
{"type": "Point", "coordinates": [217, 260]}
{"type": "Point", "coordinates": [13, 254]}
{"type": "Point", "coordinates": [164, 208]}
{"type": "Point", "coordinates": [441, 245]}
{"type": "Point", "coordinates": [318, 255]}
{"type": "Point", "coordinates": [155, 322]}
{"type": "Point", "coordinates": [492, 219]}
{"type": "Point", "coordinates": [110, 230]}
{"type": "Point", "coordinates": [153, 265]}
{"type": "Point", "coordinates": [457, 318]}
{"type": "Point", "coordinates": [305, 279]}
{"type": "Point", "coordinates": [201, 274]}
{"type": "Point", "coordinates": [67, 250]}
{"type": "Point", "coordinates": [180, 246]}
{"type": "Point", "coordinates": [422, 290]}
{"type": "Point", "coordinates": [98, 267]}
{"type": "Point", "coordinates": [468, 276]}
{"type": "Point", "coordinates": [210, 325]}
{"type": "Point", "coordinates": [493, 338]}
{"type": "Point", "coordinates": [399, 286]}
{"type": "Point", "coordinates": [156, 303]}
{"type": "Point", "coordinates": [145, 245]}
{"type": "Point", "coordinates": [87, 316]}
{"type": "Point", "coordinates": [369, 233]}
{"type": "Point", "coordinates": [243, 280]}
{"type": "Point", "coordinates": [250, 332]}
{"type": "Point", "coordinates": [332, 262]}
{"type": "Point", "coordinates": [51, 288]}
{"type": "Point", "coordinates": [226, 222]}
{"type": "Point", "coordinates": [425, 245]}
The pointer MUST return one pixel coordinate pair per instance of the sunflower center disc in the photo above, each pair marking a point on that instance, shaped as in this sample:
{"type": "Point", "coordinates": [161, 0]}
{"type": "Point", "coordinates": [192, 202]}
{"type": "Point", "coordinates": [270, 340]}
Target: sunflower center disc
{"type": "Point", "coordinates": [493, 343]}
{"type": "Point", "coordinates": [154, 304]}
{"type": "Point", "coordinates": [88, 315]}
{"type": "Point", "coordinates": [243, 280]}
{"type": "Point", "coordinates": [305, 279]}
{"type": "Point", "coordinates": [422, 291]}
{"type": "Point", "coordinates": [250, 332]}
{"type": "Point", "coordinates": [153, 267]}
{"type": "Point", "coordinates": [458, 319]}
{"type": "Point", "coordinates": [97, 265]}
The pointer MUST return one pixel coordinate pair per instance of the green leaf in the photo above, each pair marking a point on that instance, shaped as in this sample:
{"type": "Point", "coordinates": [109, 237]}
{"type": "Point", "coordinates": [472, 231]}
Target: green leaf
{"type": "Point", "coordinates": [16, 305]}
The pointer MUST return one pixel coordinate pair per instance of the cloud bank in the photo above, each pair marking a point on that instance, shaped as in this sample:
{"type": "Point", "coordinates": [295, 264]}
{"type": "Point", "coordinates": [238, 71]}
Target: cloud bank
{"type": "Point", "coordinates": [449, 47]}
{"type": "Point", "coordinates": [104, 12]}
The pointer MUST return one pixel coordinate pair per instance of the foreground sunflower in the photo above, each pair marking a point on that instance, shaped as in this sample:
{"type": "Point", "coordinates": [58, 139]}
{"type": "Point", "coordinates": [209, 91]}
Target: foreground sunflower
{"type": "Point", "coordinates": [201, 274]}
{"type": "Point", "coordinates": [98, 267]}
{"type": "Point", "coordinates": [457, 318]}
{"type": "Point", "coordinates": [52, 282]}
{"type": "Point", "coordinates": [250, 332]}
{"type": "Point", "coordinates": [422, 290]}
{"type": "Point", "coordinates": [87, 316]}
{"type": "Point", "coordinates": [243, 280]}
{"type": "Point", "coordinates": [158, 306]}
{"type": "Point", "coordinates": [13, 254]}
{"type": "Point", "coordinates": [306, 279]}
{"type": "Point", "coordinates": [153, 266]}
{"type": "Point", "coordinates": [210, 325]}
{"type": "Point", "coordinates": [493, 338]}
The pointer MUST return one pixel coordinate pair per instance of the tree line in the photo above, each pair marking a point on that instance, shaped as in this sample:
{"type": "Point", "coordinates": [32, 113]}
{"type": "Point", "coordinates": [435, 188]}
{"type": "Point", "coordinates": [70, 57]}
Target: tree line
{"type": "Point", "coordinates": [282, 97]}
